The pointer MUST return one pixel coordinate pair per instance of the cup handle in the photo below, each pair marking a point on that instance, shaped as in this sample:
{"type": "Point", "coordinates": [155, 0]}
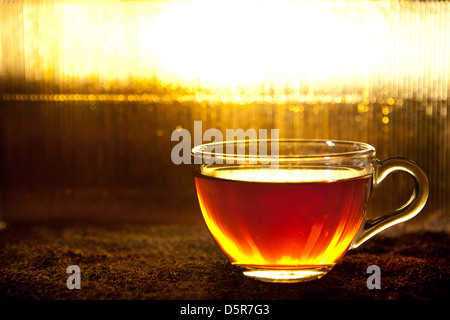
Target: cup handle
{"type": "Point", "coordinates": [409, 210]}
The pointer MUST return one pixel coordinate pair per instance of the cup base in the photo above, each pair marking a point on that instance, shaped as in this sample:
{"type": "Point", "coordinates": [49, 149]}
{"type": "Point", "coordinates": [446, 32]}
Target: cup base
{"type": "Point", "coordinates": [293, 275]}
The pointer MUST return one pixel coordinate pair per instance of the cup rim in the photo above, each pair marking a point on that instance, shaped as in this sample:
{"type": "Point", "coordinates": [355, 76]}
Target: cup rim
{"type": "Point", "coordinates": [364, 149]}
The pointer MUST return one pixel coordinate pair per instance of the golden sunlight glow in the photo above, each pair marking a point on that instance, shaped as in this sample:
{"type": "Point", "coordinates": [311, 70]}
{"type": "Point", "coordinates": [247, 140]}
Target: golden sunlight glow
{"type": "Point", "coordinates": [228, 245]}
{"type": "Point", "coordinates": [250, 46]}
{"type": "Point", "coordinates": [246, 42]}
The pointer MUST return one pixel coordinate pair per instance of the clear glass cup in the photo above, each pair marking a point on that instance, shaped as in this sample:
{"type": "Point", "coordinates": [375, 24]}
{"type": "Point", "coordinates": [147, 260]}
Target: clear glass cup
{"type": "Point", "coordinates": [288, 210]}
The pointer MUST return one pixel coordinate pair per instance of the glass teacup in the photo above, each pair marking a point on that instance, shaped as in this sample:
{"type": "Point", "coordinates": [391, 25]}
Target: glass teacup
{"type": "Point", "coordinates": [289, 210]}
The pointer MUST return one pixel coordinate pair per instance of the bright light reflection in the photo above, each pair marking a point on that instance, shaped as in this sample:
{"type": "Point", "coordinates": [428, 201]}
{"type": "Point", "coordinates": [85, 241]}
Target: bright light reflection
{"type": "Point", "coordinates": [281, 175]}
{"type": "Point", "coordinates": [327, 46]}
{"type": "Point", "coordinates": [285, 276]}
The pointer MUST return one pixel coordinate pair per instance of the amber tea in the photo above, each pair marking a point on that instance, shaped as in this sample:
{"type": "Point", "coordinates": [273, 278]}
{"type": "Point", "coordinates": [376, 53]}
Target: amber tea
{"type": "Point", "coordinates": [284, 218]}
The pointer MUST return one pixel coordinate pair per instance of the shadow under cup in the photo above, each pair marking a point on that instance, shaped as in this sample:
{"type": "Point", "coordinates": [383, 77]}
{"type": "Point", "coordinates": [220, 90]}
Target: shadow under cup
{"type": "Point", "coordinates": [289, 210]}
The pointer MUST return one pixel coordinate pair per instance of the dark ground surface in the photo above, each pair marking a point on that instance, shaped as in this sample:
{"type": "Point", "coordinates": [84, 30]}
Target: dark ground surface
{"type": "Point", "coordinates": [177, 262]}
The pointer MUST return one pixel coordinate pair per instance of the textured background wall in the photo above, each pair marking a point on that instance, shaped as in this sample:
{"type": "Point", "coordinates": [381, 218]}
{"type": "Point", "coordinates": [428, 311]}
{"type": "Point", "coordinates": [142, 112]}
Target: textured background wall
{"type": "Point", "coordinates": [86, 112]}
